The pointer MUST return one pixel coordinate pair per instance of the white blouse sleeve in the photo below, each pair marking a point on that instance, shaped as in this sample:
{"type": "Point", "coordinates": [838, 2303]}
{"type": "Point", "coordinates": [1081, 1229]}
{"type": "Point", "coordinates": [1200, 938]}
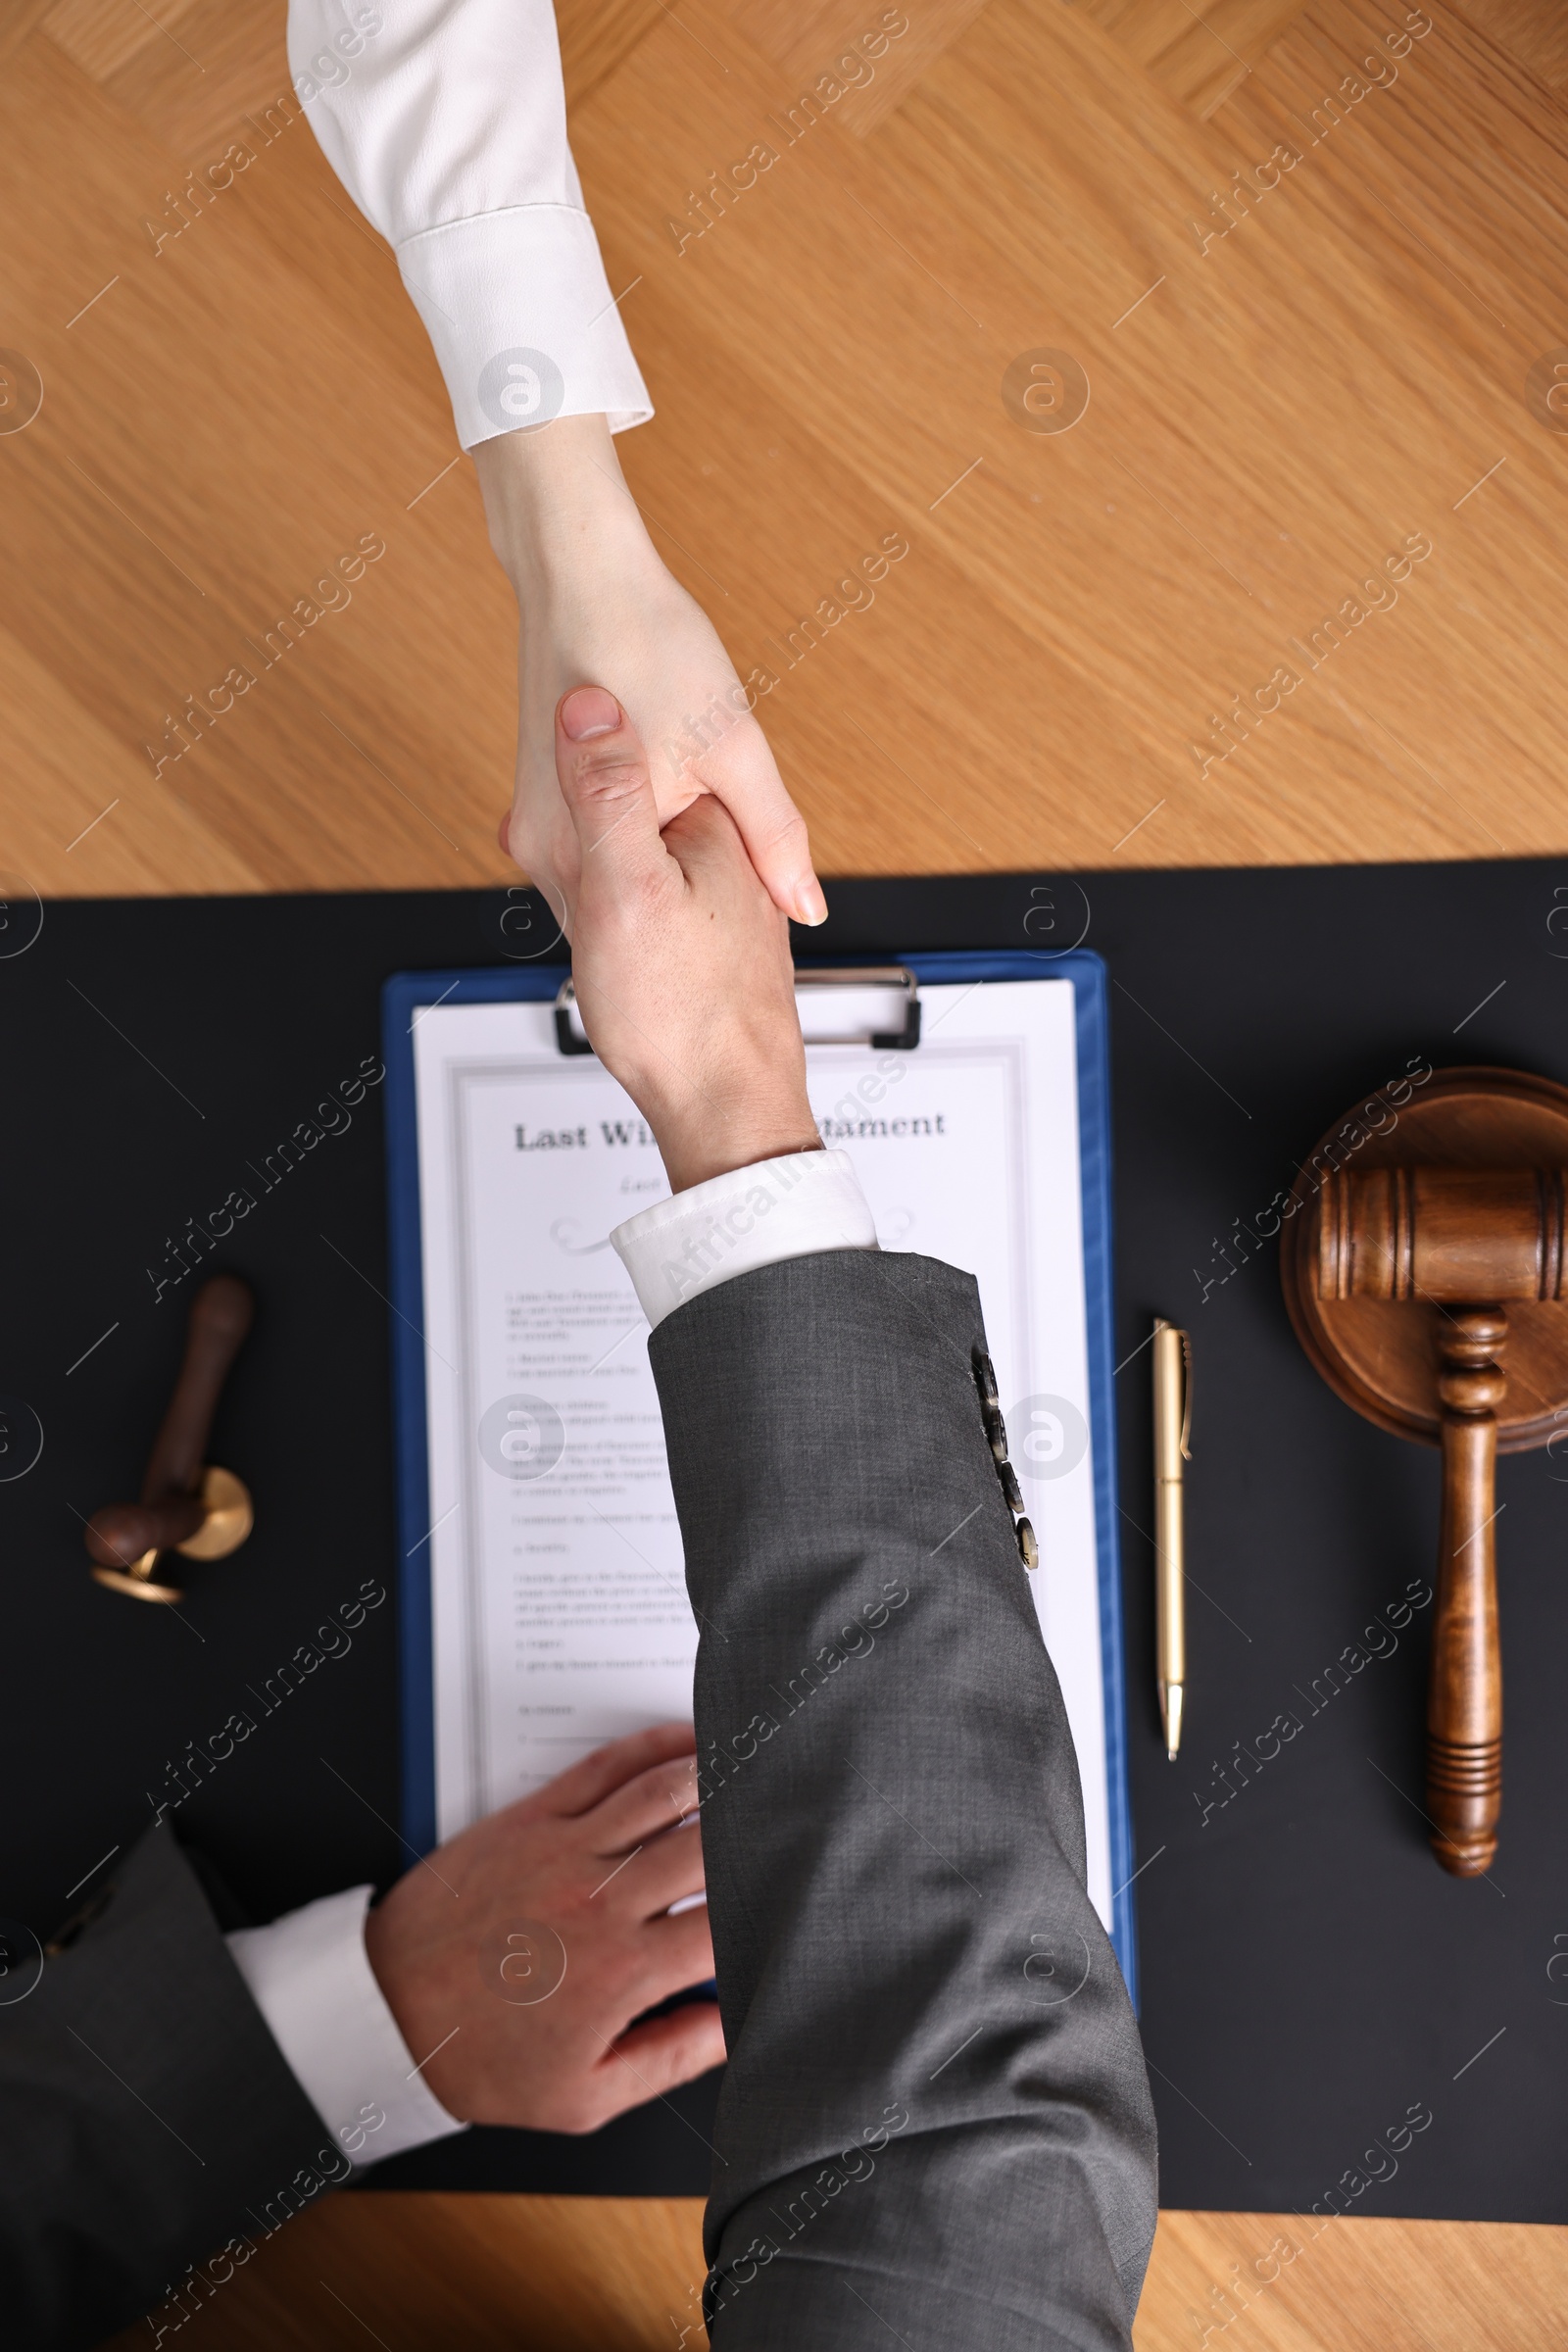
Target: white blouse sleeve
{"type": "Point", "coordinates": [446, 121]}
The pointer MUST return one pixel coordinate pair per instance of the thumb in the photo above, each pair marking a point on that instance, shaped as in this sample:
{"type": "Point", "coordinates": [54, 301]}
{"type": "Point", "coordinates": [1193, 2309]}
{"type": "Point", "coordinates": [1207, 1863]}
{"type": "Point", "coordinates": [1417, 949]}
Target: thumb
{"type": "Point", "coordinates": [603, 773]}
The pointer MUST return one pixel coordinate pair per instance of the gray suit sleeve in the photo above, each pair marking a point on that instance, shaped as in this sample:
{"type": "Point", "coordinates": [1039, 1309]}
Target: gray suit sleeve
{"type": "Point", "coordinates": [936, 2118]}
{"type": "Point", "coordinates": [146, 2118]}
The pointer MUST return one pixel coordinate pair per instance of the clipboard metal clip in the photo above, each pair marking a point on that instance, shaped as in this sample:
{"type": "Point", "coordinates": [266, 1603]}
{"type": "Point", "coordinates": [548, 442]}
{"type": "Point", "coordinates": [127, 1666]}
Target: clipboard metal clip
{"type": "Point", "coordinates": [873, 993]}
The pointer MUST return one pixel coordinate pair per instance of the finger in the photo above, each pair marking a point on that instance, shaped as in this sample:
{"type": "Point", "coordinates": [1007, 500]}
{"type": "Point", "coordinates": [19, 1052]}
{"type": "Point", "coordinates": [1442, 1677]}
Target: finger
{"type": "Point", "coordinates": [584, 1785]}
{"type": "Point", "coordinates": [670, 2050]}
{"type": "Point", "coordinates": [656, 1799]}
{"type": "Point", "coordinates": [741, 771]}
{"type": "Point", "coordinates": [672, 1954]}
{"type": "Point", "coordinates": [665, 1871]}
{"type": "Point", "coordinates": [706, 841]}
{"type": "Point", "coordinates": [677, 1956]}
{"type": "Point", "coordinates": [603, 773]}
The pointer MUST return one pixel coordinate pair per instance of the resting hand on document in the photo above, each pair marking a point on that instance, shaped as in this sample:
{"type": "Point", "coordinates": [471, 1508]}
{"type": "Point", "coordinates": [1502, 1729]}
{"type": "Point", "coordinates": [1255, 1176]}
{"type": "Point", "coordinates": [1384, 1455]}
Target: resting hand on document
{"type": "Point", "coordinates": [522, 1951]}
{"type": "Point", "coordinates": [596, 602]}
{"type": "Point", "coordinates": [680, 960]}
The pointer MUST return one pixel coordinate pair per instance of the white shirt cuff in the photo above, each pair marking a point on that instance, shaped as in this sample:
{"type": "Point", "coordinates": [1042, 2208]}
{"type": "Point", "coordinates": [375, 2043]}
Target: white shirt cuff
{"type": "Point", "coordinates": [523, 321]}
{"type": "Point", "coordinates": [787, 1208]}
{"type": "Point", "coordinates": [311, 1980]}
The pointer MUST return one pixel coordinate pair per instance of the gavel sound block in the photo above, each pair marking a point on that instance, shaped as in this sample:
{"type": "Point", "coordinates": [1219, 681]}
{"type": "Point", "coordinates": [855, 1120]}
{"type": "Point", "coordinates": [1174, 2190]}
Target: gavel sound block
{"type": "Point", "coordinates": [1424, 1271]}
{"type": "Point", "coordinates": [185, 1506]}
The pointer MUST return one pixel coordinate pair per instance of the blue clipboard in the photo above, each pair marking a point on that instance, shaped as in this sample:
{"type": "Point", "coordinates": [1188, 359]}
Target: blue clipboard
{"type": "Point", "coordinates": [403, 997]}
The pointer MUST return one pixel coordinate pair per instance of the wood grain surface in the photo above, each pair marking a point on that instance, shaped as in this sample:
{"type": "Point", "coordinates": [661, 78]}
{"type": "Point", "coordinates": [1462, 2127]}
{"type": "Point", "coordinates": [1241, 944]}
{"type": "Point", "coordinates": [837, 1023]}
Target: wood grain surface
{"type": "Point", "coordinates": [480, 2273]}
{"type": "Point", "coordinates": [1300, 293]}
{"type": "Point", "coordinates": [1158, 332]}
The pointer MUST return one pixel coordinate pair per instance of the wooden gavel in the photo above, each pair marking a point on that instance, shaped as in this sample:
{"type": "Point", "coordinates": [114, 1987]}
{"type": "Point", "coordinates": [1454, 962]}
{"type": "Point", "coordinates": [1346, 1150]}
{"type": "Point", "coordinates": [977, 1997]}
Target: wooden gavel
{"type": "Point", "coordinates": [1468, 1241]}
{"type": "Point", "coordinates": [186, 1506]}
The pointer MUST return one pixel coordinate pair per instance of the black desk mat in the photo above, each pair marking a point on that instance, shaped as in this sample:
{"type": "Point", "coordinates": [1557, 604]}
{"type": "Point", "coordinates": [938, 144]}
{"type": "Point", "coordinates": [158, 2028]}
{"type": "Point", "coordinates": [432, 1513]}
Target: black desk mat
{"type": "Point", "coordinates": [1310, 1979]}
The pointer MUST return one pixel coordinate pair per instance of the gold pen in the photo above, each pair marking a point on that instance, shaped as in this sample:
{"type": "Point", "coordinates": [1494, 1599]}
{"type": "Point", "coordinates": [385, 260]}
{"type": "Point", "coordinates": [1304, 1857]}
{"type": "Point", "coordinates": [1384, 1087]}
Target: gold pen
{"type": "Point", "coordinates": [1173, 1422]}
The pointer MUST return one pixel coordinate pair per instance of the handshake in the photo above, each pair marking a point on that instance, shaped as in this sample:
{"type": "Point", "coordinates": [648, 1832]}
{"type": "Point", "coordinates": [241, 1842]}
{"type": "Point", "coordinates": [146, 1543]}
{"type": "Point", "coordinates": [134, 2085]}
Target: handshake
{"type": "Point", "coordinates": [680, 958]}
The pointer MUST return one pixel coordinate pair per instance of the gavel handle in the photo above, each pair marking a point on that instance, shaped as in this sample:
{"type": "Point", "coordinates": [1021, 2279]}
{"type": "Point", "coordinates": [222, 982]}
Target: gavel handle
{"type": "Point", "coordinates": [171, 1509]}
{"type": "Point", "coordinates": [1464, 1708]}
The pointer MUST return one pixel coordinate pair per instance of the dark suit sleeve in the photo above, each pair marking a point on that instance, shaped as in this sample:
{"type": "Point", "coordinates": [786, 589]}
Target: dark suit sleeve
{"type": "Point", "coordinates": [936, 2118]}
{"type": "Point", "coordinates": [146, 2116]}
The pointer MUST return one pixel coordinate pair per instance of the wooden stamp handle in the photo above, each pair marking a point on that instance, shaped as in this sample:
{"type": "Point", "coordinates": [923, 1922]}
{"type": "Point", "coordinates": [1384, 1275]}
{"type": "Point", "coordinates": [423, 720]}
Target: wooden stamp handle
{"type": "Point", "coordinates": [171, 1509]}
{"type": "Point", "coordinates": [221, 1315]}
{"type": "Point", "coordinates": [1465, 1706]}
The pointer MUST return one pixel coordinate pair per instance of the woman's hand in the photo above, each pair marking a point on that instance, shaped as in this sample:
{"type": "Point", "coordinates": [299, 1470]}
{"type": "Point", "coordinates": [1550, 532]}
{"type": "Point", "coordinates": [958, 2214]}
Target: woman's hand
{"type": "Point", "coordinates": [598, 607]}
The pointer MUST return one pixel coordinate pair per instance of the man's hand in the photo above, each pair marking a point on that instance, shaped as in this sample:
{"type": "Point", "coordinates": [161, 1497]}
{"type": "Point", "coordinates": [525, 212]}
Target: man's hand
{"type": "Point", "coordinates": [681, 963]}
{"type": "Point", "coordinates": [521, 1953]}
{"type": "Point", "coordinates": [595, 602]}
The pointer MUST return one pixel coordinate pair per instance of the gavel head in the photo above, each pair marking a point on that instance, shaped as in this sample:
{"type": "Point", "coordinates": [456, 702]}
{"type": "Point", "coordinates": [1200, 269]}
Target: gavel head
{"type": "Point", "coordinates": [1442, 1234]}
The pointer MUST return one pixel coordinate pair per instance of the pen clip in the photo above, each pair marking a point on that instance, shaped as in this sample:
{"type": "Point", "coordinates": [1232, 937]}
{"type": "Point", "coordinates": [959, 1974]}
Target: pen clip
{"type": "Point", "coordinates": [1187, 1393]}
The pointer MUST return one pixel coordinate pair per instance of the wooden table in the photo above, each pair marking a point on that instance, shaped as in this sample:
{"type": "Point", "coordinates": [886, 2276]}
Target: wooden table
{"type": "Point", "coordinates": [1304, 265]}
{"type": "Point", "coordinates": [468, 2273]}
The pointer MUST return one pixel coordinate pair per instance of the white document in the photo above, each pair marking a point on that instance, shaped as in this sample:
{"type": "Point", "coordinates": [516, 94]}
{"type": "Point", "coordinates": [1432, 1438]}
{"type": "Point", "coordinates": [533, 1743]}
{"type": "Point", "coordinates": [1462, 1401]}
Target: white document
{"type": "Point", "coordinates": [558, 1598]}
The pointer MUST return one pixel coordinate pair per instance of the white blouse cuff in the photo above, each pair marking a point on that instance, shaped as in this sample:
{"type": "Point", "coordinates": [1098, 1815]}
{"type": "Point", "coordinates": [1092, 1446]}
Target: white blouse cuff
{"type": "Point", "coordinates": [523, 320]}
